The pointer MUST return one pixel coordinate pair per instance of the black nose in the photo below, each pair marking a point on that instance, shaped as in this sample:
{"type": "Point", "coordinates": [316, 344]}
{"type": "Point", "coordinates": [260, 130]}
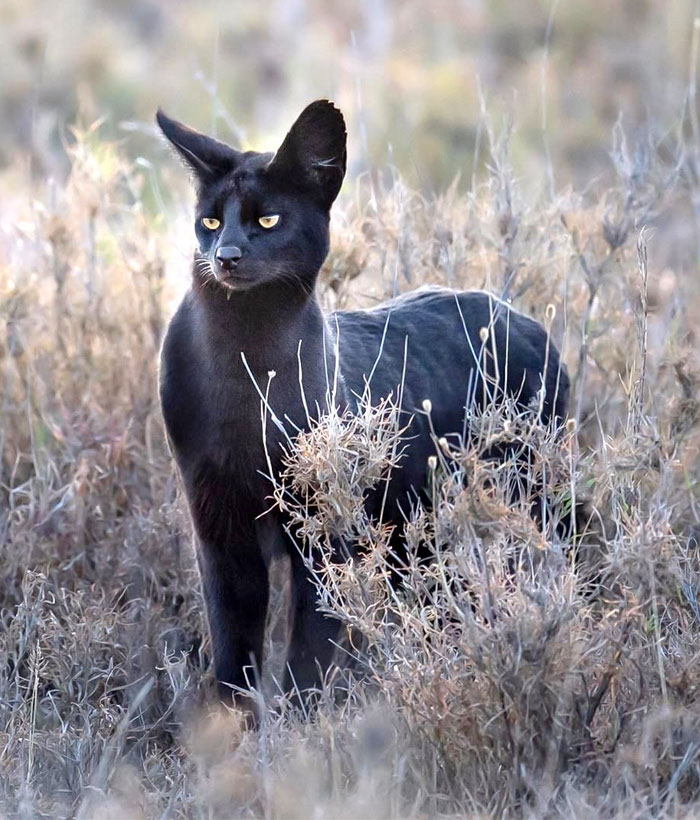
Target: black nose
{"type": "Point", "coordinates": [228, 256]}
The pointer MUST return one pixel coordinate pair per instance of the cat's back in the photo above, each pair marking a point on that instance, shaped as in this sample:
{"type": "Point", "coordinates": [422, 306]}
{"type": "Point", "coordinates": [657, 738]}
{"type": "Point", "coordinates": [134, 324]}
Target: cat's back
{"type": "Point", "coordinates": [408, 341]}
{"type": "Point", "coordinates": [430, 341]}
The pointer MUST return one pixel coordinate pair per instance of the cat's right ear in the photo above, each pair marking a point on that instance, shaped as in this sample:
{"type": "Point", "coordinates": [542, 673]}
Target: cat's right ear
{"type": "Point", "coordinates": [207, 157]}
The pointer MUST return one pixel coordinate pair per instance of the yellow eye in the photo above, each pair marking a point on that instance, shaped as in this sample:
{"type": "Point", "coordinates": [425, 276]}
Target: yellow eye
{"type": "Point", "coordinates": [210, 223]}
{"type": "Point", "coordinates": [269, 221]}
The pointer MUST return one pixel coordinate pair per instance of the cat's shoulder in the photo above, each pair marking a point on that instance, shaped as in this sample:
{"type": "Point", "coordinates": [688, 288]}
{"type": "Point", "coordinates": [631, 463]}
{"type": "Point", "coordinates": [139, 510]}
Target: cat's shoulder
{"type": "Point", "coordinates": [176, 353]}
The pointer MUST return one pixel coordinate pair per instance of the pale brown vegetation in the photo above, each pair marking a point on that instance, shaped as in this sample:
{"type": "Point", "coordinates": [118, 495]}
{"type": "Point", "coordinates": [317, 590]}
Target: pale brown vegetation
{"type": "Point", "coordinates": [516, 673]}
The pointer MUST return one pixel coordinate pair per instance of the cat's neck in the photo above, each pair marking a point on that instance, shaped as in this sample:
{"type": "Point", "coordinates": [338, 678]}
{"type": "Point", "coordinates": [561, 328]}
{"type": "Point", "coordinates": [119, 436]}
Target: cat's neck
{"type": "Point", "coordinates": [266, 324]}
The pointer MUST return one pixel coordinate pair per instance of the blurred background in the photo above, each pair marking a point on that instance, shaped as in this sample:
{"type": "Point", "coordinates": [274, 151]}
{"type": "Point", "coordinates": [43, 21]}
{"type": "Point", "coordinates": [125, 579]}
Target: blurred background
{"type": "Point", "coordinates": [413, 78]}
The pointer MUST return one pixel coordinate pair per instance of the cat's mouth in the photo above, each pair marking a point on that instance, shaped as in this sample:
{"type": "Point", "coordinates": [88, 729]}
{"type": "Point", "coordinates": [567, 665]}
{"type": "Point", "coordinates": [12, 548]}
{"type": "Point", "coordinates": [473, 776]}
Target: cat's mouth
{"type": "Point", "coordinates": [233, 280]}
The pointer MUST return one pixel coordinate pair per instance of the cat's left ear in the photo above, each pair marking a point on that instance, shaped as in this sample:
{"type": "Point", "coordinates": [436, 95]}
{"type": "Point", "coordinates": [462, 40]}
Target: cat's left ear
{"type": "Point", "coordinates": [313, 152]}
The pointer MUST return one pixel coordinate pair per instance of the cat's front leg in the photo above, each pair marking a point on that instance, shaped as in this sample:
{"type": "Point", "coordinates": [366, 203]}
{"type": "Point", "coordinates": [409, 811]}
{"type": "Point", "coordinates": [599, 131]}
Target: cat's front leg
{"type": "Point", "coordinates": [313, 636]}
{"type": "Point", "coordinates": [236, 593]}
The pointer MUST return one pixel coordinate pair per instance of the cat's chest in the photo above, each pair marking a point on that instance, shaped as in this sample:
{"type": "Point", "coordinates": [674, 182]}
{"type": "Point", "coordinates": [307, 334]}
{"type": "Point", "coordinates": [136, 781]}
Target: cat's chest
{"type": "Point", "coordinates": [231, 398]}
{"type": "Point", "coordinates": [236, 416]}
{"type": "Point", "coordinates": [232, 413]}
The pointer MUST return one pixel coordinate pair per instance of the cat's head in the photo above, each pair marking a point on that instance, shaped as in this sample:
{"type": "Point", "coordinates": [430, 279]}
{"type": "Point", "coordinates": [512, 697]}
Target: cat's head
{"type": "Point", "coordinates": [262, 219]}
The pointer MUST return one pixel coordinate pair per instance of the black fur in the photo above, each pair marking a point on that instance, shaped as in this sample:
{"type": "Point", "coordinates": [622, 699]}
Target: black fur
{"type": "Point", "coordinates": [250, 320]}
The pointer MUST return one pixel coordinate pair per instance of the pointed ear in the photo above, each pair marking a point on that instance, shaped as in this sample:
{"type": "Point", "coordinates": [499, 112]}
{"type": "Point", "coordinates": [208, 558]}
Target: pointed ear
{"type": "Point", "coordinates": [313, 152]}
{"type": "Point", "coordinates": [207, 157]}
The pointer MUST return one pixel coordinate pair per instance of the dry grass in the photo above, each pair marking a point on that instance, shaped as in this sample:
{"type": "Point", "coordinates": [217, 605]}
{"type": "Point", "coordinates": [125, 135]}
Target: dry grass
{"type": "Point", "coordinates": [518, 673]}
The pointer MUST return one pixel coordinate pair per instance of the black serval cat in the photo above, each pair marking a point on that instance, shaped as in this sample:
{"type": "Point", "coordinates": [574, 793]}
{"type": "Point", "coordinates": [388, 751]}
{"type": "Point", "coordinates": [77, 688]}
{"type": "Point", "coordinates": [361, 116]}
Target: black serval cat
{"type": "Point", "coordinates": [262, 225]}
